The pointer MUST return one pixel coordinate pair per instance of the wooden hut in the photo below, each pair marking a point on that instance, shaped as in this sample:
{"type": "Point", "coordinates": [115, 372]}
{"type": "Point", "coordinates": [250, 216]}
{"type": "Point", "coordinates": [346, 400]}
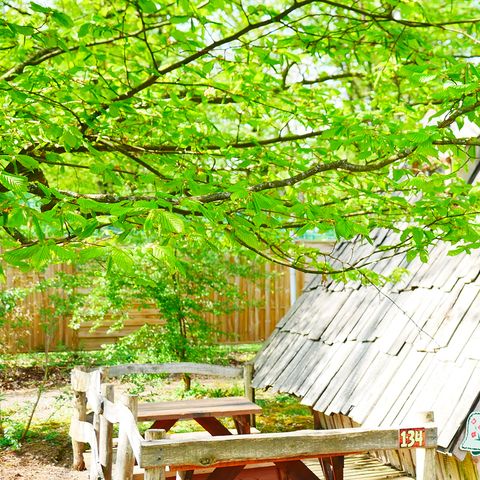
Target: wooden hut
{"type": "Point", "coordinates": [363, 355]}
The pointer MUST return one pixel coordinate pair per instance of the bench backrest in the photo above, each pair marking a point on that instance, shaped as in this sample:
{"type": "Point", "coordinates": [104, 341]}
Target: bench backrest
{"type": "Point", "coordinates": [229, 451]}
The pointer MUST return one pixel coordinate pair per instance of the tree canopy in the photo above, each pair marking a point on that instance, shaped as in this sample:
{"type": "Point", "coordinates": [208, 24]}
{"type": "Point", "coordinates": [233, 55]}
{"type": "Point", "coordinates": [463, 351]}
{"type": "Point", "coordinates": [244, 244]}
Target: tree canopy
{"type": "Point", "coordinates": [242, 122]}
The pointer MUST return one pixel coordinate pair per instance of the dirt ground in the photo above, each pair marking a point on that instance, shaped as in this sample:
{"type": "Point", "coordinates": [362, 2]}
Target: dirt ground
{"type": "Point", "coordinates": [39, 459]}
{"type": "Point", "coordinates": [44, 458]}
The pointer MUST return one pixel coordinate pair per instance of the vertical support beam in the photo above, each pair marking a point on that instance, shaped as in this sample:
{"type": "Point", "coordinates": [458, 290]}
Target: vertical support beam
{"type": "Point", "coordinates": [247, 387]}
{"type": "Point", "coordinates": [125, 458]}
{"type": "Point", "coordinates": [155, 473]}
{"type": "Point", "coordinates": [79, 413]}
{"type": "Point", "coordinates": [425, 457]}
{"type": "Point", "coordinates": [106, 436]}
{"type": "Point", "coordinates": [293, 286]}
{"type": "Point", "coordinates": [96, 415]}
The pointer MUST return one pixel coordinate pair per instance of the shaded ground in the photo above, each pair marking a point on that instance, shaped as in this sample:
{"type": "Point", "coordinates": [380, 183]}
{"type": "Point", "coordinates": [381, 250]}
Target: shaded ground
{"type": "Point", "coordinates": [39, 461]}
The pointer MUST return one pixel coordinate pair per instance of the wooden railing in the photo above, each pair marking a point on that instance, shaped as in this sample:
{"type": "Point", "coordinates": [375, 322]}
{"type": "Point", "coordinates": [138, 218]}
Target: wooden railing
{"type": "Point", "coordinates": [157, 454]}
{"type": "Point", "coordinates": [92, 388]}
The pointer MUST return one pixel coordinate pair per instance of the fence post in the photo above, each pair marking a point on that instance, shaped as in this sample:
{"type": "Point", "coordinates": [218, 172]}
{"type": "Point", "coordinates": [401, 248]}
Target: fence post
{"type": "Point", "coordinates": [247, 386]}
{"type": "Point", "coordinates": [79, 413]}
{"type": "Point", "coordinates": [106, 436]}
{"type": "Point", "coordinates": [425, 457]}
{"type": "Point", "coordinates": [155, 473]}
{"type": "Point", "coordinates": [125, 458]}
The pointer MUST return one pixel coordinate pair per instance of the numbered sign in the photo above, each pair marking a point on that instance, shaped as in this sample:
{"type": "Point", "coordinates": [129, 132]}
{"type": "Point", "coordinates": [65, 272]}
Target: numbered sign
{"type": "Point", "coordinates": [412, 437]}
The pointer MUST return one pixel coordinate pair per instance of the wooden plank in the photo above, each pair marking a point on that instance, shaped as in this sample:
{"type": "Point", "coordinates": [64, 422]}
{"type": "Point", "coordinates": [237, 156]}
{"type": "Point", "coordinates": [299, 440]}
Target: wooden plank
{"type": "Point", "coordinates": [206, 407]}
{"type": "Point", "coordinates": [164, 424]}
{"type": "Point", "coordinates": [453, 318]}
{"type": "Point", "coordinates": [80, 379]}
{"type": "Point", "coordinates": [241, 449]}
{"type": "Point", "coordinates": [393, 390]}
{"type": "Point", "coordinates": [361, 361]}
{"type": "Point", "coordinates": [371, 396]}
{"type": "Point", "coordinates": [105, 442]}
{"type": "Point", "coordinates": [80, 415]}
{"type": "Point", "coordinates": [125, 455]}
{"type": "Point", "coordinates": [278, 362]}
{"type": "Point", "coordinates": [466, 329]}
{"type": "Point", "coordinates": [414, 380]}
{"type": "Point", "coordinates": [325, 372]}
{"type": "Point", "coordinates": [425, 464]}
{"type": "Point", "coordinates": [295, 367]}
{"type": "Point", "coordinates": [155, 473]}
{"type": "Point", "coordinates": [179, 367]}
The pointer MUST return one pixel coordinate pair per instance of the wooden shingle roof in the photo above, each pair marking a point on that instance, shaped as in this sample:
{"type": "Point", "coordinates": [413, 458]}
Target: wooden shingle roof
{"type": "Point", "coordinates": [382, 355]}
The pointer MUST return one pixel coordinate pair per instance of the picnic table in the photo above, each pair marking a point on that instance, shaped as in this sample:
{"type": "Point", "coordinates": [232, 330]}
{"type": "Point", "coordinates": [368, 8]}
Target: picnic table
{"type": "Point", "coordinates": [206, 412]}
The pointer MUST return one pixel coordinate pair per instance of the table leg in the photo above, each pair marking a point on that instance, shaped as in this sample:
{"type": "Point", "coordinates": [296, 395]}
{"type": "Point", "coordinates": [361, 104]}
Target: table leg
{"type": "Point", "coordinates": [242, 423]}
{"type": "Point", "coordinates": [332, 467]}
{"type": "Point", "coordinates": [164, 424]}
{"type": "Point", "coordinates": [213, 426]}
{"type": "Point", "coordinates": [225, 473]}
{"type": "Point", "coordinates": [296, 470]}
{"type": "Point", "coordinates": [185, 475]}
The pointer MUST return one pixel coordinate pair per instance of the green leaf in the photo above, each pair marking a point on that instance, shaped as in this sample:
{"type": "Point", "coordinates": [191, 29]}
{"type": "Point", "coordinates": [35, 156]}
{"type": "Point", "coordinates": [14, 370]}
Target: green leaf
{"type": "Point", "coordinates": [25, 30]}
{"type": "Point", "coordinates": [14, 183]}
{"type": "Point", "coordinates": [122, 260]}
{"type": "Point", "coordinates": [62, 19]}
{"type": "Point", "coordinates": [169, 222]}
{"type": "Point", "coordinates": [85, 29]}
{"type": "Point", "coordinates": [17, 256]}
{"type": "Point", "coordinates": [27, 162]}
{"type": "Point", "coordinates": [147, 6]}
{"type": "Point", "coordinates": [344, 228]}
{"type": "Point", "coordinates": [39, 8]}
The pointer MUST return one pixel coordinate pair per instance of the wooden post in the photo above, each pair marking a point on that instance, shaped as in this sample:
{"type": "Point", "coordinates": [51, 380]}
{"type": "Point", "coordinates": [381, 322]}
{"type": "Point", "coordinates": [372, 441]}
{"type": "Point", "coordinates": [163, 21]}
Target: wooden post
{"type": "Point", "coordinates": [155, 473]}
{"type": "Point", "coordinates": [96, 415]}
{"type": "Point", "coordinates": [106, 436]}
{"type": "Point", "coordinates": [79, 413]}
{"type": "Point", "coordinates": [248, 389]}
{"type": "Point", "coordinates": [425, 457]}
{"type": "Point", "coordinates": [125, 458]}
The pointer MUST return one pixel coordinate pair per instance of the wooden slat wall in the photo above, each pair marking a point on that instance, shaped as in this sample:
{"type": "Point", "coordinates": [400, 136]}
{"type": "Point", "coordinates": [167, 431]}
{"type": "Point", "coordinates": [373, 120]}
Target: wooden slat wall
{"type": "Point", "coordinates": [448, 467]}
{"type": "Point", "coordinates": [270, 300]}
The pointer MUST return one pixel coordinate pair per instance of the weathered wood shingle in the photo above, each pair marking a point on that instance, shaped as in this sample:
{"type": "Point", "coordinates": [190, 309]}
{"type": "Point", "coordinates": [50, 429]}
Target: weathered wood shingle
{"type": "Point", "coordinates": [379, 355]}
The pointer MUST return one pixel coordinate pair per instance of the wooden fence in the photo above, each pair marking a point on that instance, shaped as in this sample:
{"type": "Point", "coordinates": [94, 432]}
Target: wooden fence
{"type": "Point", "coordinates": [269, 300]}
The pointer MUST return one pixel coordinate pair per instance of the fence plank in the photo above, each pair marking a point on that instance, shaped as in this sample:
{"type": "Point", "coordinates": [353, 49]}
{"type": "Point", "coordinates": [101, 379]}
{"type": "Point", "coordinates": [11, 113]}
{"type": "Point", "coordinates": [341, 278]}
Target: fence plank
{"type": "Point", "coordinates": [176, 367]}
{"type": "Point", "coordinates": [268, 301]}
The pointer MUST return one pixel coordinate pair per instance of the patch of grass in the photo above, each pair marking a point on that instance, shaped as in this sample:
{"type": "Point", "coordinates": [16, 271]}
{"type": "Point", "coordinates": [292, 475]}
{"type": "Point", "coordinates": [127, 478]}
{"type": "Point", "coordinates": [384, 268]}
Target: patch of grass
{"type": "Point", "coordinates": [283, 413]}
{"type": "Point", "coordinates": [52, 432]}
